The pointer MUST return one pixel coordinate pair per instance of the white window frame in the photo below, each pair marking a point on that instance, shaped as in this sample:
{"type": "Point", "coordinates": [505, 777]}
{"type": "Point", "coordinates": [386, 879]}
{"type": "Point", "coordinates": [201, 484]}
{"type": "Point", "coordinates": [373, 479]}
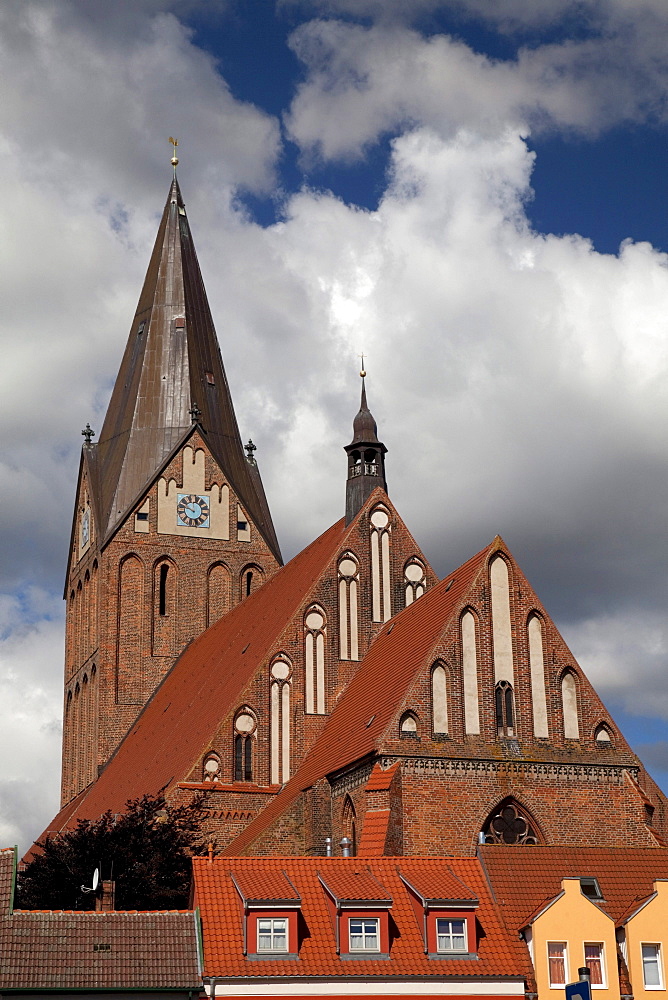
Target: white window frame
{"type": "Point", "coordinates": [557, 986]}
{"type": "Point", "coordinates": [365, 933]}
{"type": "Point", "coordinates": [274, 931]}
{"type": "Point", "coordinates": [659, 963]}
{"type": "Point", "coordinates": [450, 935]}
{"type": "Point", "coordinates": [604, 976]}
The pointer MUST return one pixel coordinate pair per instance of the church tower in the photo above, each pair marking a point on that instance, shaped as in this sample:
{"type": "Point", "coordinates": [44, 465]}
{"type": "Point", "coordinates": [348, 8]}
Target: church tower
{"type": "Point", "coordinates": [366, 459]}
{"type": "Point", "coordinates": [171, 525]}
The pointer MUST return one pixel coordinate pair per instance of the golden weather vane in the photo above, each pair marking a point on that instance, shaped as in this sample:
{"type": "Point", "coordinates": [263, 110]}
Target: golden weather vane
{"type": "Point", "coordinates": [175, 159]}
{"type": "Point", "coordinates": [362, 371]}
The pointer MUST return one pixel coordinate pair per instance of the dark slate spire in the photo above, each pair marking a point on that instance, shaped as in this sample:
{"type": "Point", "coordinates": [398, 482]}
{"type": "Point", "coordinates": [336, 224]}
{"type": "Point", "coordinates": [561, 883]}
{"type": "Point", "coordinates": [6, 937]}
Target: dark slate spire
{"type": "Point", "coordinates": [366, 459]}
{"type": "Point", "coordinates": [172, 369]}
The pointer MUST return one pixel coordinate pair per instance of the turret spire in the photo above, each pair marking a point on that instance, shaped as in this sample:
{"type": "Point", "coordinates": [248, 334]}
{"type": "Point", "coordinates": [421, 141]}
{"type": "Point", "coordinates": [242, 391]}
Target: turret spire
{"type": "Point", "coordinates": [366, 458]}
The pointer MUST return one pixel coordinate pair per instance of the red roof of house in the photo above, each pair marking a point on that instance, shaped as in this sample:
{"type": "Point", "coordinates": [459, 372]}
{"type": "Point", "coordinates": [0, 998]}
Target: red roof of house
{"type": "Point", "coordinates": [374, 834]}
{"type": "Point", "coordinates": [354, 883]}
{"type": "Point", "coordinates": [366, 709]}
{"type": "Point", "coordinates": [209, 676]}
{"type": "Point", "coordinates": [264, 885]}
{"type": "Point", "coordinates": [524, 879]}
{"type": "Point", "coordinates": [501, 954]}
{"type": "Point", "coordinates": [442, 884]}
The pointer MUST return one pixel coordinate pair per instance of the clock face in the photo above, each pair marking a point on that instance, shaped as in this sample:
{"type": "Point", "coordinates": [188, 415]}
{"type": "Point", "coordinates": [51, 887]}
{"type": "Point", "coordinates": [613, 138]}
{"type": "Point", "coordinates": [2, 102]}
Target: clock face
{"type": "Point", "coordinates": [192, 510]}
{"type": "Point", "coordinates": [85, 528]}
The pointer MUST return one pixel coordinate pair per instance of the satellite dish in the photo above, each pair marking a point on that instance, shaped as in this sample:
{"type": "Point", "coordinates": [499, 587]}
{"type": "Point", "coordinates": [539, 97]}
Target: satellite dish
{"type": "Point", "coordinates": [96, 881]}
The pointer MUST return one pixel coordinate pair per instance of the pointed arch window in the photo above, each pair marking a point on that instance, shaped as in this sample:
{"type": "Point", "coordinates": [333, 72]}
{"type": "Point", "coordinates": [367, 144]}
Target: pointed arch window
{"type": "Point", "coordinates": [439, 699]}
{"type": "Point", "coordinates": [315, 633]}
{"type": "Point", "coordinates": [503, 704]}
{"type": "Point", "coordinates": [569, 704]}
{"type": "Point", "coordinates": [348, 607]}
{"type": "Point", "coordinates": [280, 679]}
{"type": "Point", "coordinates": [349, 824]}
{"type": "Point", "coordinates": [408, 726]}
{"type": "Point", "coordinates": [381, 583]}
{"type": "Point", "coordinates": [211, 767]}
{"type": "Point", "coordinates": [414, 580]}
{"type": "Point", "coordinates": [602, 736]}
{"type": "Point", "coordinates": [245, 726]}
{"type": "Point", "coordinates": [509, 823]}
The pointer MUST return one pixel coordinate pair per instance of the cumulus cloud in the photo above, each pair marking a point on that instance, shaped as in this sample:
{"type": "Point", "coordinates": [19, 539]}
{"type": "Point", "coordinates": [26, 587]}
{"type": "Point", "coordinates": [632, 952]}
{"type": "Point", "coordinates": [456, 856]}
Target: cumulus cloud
{"type": "Point", "coordinates": [364, 82]}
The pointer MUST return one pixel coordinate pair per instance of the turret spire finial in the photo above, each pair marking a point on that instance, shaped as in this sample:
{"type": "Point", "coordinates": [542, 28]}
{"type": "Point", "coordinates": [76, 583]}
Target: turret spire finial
{"type": "Point", "coordinates": [175, 159]}
{"type": "Point", "coordinates": [362, 371]}
{"type": "Point", "coordinates": [366, 457]}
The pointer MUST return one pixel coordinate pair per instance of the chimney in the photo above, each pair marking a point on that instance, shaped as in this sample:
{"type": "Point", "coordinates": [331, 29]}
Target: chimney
{"type": "Point", "coordinates": [345, 847]}
{"type": "Point", "coordinates": [328, 847]}
{"type": "Point", "coordinates": [105, 901]}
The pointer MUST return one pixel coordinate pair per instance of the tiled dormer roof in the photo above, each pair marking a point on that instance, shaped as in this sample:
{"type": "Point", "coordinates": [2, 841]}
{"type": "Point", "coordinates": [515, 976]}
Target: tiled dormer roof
{"type": "Point", "coordinates": [256, 887]}
{"type": "Point", "coordinates": [440, 887]}
{"type": "Point", "coordinates": [354, 884]}
{"type": "Point", "coordinates": [501, 955]}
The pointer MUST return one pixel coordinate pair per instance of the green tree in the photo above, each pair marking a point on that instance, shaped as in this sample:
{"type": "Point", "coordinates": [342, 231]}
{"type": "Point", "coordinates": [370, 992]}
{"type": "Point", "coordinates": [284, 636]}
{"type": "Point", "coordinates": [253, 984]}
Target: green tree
{"type": "Point", "coordinates": [145, 850]}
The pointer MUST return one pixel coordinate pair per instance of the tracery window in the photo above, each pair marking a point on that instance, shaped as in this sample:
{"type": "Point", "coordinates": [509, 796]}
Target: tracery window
{"type": "Point", "coordinates": [244, 735]}
{"type": "Point", "coordinates": [381, 584]}
{"type": "Point", "coordinates": [315, 629]}
{"type": "Point", "coordinates": [348, 607]}
{"type": "Point", "coordinates": [414, 580]}
{"type": "Point", "coordinates": [508, 825]}
{"type": "Point", "coordinates": [211, 768]}
{"type": "Point", "coordinates": [503, 703]}
{"type": "Point", "coordinates": [280, 679]}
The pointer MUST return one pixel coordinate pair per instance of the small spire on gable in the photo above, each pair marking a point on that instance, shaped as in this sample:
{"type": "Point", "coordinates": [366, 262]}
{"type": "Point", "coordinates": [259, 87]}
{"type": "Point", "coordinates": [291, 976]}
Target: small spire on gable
{"type": "Point", "coordinates": [366, 457]}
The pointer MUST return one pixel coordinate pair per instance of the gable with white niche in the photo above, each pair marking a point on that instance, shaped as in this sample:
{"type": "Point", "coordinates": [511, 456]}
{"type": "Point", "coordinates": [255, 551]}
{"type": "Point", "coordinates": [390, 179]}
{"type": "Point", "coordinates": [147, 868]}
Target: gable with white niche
{"type": "Point", "coordinates": [193, 484]}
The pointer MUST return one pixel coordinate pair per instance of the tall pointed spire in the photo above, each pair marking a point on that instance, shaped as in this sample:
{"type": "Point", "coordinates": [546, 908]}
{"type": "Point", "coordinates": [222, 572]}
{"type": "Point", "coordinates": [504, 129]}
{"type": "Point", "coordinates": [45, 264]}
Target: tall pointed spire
{"type": "Point", "coordinates": [366, 459]}
{"type": "Point", "coordinates": [172, 377]}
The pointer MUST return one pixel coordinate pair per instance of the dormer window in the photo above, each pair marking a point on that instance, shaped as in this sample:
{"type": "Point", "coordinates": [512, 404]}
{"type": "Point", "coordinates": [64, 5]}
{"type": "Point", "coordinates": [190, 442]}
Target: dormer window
{"type": "Point", "coordinates": [272, 934]}
{"type": "Point", "coordinates": [590, 888]}
{"type": "Point", "coordinates": [363, 934]}
{"type": "Point", "coordinates": [450, 935]}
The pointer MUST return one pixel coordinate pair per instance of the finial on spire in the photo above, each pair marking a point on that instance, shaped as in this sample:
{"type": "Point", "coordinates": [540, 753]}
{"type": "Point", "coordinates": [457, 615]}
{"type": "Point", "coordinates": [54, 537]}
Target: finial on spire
{"type": "Point", "coordinates": [88, 433]}
{"type": "Point", "coordinates": [249, 449]}
{"type": "Point", "coordinates": [195, 413]}
{"type": "Point", "coordinates": [362, 371]}
{"type": "Point", "coordinates": [175, 159]}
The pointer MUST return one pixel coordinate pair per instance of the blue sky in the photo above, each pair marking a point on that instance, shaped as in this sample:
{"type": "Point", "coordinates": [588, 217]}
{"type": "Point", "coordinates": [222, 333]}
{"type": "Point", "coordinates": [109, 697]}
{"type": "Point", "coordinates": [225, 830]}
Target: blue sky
{"type": "Point", "coordinates": [472, 193]}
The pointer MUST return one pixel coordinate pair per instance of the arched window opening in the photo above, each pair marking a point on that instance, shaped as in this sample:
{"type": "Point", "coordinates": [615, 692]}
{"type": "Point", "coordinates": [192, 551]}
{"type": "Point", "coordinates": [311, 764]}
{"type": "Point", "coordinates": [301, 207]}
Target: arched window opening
{"type": "Point", "coordinates": [349, 824]}
{"type": "Point", "coordinates": [162, 590]}
{"type": "Point", "coordinates": [408, 725]}
{"type": "Point", "coordinates": [250, 579]}
{"type": "Point", "coordinates": [249, 582]}
{"type": "Point", "coordinates": [603, 737]}
{"type": "Point", "coordinates": [569, 704]}
{"type": "Point", "coordinates": [470, 673]}
{"type": "Point", "coordinates": [280, 678]}
{"type": "Point", "coordinates": [348, 607]}
{"type": "Point", "coordinates": [211, 768]}
{"type": "Point", "coordinates": [414, 580]}
{"type": "Point", "coordinates": [439, 699]}
{"type": "Point", "coordinates": [503, 702]}
{"type": "Point", "coordinates": [381, 583]}
{"type": "Point", "coordinates": [537, 669]}
{"type": "Point", "coordinates": [245, 726]}
{"type": "Point", "coordinates": [315, 633]}
{"type": "Point", "coordinates": [509, 824]}
{"type": "Point", "coordinates": [218, 592]}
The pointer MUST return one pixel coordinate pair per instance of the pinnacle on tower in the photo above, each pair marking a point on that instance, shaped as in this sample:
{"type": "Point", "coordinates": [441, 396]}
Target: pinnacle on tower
{"type": "Point", "coordinates": [366, 458]}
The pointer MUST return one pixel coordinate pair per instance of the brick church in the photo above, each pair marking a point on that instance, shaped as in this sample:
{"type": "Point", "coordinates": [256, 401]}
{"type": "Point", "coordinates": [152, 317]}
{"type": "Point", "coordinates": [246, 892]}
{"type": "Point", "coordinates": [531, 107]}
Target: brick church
{"type": "Point", "coordinates": [349, 693]}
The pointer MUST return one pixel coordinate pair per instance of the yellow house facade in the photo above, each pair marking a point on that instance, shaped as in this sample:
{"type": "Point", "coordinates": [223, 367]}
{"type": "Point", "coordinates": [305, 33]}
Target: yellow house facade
{"type": "Point", "coordinates": [567, 933]}
{"type": "Point", "coordinates": [643, 938]}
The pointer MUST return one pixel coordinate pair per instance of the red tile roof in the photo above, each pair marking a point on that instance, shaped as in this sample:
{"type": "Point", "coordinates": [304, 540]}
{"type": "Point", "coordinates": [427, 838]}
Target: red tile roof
{"type": "Point", "coordinates": [379, 779]}
{"type": "Point", "coordinates": [354, 883]}
{"type": "Point", "coordinates": [374, 833]}
{"type": "Point", "coordinates": [440, 884]}
{"type": "Point", "coordinates": [501, 955]}
{"type": "Point", "coordinates": [360, 720]}
{"type": "Point", "coordinates": [184, 712]}
{"type": "Point", "coordinates": [526, 878]}
{"type": "Point", "coordinates": [270, 886]}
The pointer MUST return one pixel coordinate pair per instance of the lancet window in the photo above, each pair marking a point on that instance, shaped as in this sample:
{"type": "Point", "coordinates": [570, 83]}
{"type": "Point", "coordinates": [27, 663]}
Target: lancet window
{"type": "Point", "coordinates": [381, 583]}
{"type": "Point", "coordinates": [569, 703]}
{"type": "Point", "coordinates": [414, 580]}
{"type": "Point", "coordinates": [315, 631]}
{"type": "Point", "coordinates": [348, 607]}
{"type": "Point", "coordinates": [439, 699]}
{"type": "Point", "coordinates": [245, 727]}
{"type": "Point", "coordinates": [503, 704]}
{"type": "Point", "coordinates": [280, 679]}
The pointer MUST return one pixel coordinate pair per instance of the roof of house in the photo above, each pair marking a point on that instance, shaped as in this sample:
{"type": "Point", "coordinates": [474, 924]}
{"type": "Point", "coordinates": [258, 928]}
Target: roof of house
{"type": "Point", "coordinates": [366, 709]}
{"type": "Point", "coordinates": [501, 955]}
{"type": "Point", "coordinates": [184, 712]}
{"type": "Point", "coordinates": [525, 879]}
{"type": "Point", "coordinates": [68, 950]}
{"type": "Point", "coordinates": [442, 885]}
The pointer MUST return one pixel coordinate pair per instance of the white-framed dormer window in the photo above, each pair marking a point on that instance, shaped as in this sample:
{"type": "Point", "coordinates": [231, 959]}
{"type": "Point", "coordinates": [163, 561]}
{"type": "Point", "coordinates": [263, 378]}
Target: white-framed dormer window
{"type": "Point", "coordinates": [557, 963]}
{"type": "Point", "coordinates": [364, 934]}
{"type": "Point", "coordinates": [272, 934]}
{"type": "Point", "coordinates": [450, 935]}
{"type": "Point", "coordinates": [652, 972]}
{"type": "Point", "coordinates": [594, 960]}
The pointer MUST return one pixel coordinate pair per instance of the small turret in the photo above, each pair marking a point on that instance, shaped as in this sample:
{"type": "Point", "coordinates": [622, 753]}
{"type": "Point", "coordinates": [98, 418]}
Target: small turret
{"type": "Point", "coordinates": [366, 459]}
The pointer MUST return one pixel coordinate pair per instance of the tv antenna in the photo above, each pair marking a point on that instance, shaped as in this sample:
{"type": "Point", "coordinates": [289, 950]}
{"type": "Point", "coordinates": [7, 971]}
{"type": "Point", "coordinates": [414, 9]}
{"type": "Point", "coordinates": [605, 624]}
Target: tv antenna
{"type": "Point", "coordinates": [96, 880]}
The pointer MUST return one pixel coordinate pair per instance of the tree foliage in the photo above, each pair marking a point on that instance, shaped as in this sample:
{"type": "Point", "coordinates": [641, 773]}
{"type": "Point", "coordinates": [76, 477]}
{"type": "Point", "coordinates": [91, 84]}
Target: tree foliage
{"type": "Point", "coordinates": [145, 850]}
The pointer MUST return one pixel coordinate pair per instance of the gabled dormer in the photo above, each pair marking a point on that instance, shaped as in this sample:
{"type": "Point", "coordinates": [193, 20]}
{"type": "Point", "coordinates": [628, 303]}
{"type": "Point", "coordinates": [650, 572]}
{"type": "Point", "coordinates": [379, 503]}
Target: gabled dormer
{"type": "Point", "coordinates": [446, 911]}
{"type": "Point", "coordinates": [270, 907]}
{"type": "Point", "coordinates": [359, 907]}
